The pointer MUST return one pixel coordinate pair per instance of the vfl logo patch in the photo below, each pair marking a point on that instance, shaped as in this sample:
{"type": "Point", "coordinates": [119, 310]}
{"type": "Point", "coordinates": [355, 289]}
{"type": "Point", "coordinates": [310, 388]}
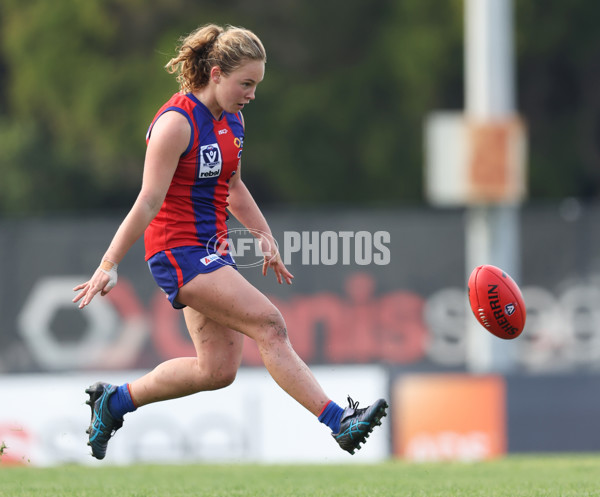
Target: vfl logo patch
{"type": "Point", "coordinates": [210, 161]}
{"type": "Point", "coordinates": [209, 258]}
{"type": "Point", "coordinates": [509, 309]}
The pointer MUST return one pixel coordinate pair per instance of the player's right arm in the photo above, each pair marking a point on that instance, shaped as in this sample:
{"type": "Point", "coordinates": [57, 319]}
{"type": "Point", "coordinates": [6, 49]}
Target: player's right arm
{"type": "Point", "coordinates": [169, 139]}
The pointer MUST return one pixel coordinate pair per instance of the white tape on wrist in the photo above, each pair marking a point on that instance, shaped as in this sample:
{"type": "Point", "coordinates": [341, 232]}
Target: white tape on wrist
{"type": "Point", "coordinates": [109, 268]}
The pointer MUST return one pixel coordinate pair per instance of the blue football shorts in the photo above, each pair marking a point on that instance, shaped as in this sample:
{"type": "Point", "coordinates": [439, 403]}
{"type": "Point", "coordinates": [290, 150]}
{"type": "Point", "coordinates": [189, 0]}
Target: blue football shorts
{"type": "Point", "coordinates": [175, 267]}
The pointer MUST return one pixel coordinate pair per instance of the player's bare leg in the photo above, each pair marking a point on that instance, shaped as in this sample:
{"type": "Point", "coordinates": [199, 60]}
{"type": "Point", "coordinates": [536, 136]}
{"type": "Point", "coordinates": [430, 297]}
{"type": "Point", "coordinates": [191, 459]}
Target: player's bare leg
{"type": "Point", "coordinates": [227, 297]}
{"type": "Point", "coordinates": [219, 355]}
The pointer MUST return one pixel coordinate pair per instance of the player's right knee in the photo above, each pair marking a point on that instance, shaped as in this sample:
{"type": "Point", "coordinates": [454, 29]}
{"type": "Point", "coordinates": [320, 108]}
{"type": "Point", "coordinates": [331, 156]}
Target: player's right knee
{"type": "Point", "coordinates": [223, 379]}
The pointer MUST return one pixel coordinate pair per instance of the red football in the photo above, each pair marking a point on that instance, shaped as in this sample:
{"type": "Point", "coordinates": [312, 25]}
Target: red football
{"type": "Point", "coordinates": [496, 302]}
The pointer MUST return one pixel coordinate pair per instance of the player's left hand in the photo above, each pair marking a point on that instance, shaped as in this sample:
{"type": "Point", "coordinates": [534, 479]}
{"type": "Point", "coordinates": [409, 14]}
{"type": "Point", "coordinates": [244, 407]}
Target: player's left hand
{"type": "Point", "coordinates": [274, 261]}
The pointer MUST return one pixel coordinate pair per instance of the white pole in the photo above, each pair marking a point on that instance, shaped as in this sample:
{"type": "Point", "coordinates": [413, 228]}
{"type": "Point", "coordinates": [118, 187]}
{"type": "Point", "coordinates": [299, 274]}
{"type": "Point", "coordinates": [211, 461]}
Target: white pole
{"type": "Point", "coordinates": [489, 59]}
{"type": "Point", "coordinates": [491, 232]}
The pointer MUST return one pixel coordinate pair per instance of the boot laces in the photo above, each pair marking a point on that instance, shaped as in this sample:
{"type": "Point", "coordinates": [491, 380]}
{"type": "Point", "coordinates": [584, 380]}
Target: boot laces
{"type": "Point", "coordinates": [352, 404]}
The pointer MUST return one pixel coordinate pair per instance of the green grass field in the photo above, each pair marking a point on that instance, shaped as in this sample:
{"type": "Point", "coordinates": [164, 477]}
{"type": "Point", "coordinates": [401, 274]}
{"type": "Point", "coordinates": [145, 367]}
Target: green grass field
{"type": "Point", "coordinates": [531, 476]}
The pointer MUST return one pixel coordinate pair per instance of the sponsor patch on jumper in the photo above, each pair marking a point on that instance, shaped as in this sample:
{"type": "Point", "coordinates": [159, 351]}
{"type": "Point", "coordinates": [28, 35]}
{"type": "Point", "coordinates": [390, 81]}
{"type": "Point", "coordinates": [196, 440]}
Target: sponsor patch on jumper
{"type": "Point", "coordinates": [210, 161]}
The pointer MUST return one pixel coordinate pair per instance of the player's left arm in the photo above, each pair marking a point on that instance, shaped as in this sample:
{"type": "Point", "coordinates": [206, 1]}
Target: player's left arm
{"type": "Point", "coordinates": [245, 209]}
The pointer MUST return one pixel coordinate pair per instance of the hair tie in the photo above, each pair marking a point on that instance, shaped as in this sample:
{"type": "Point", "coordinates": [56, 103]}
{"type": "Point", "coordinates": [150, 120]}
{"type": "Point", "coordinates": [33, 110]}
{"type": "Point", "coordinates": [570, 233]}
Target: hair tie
{"type": "Point", "coordinates": [203, 52]}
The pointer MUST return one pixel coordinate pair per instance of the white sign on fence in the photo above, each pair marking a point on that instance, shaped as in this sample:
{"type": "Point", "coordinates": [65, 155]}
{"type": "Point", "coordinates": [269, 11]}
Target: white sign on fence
{"type": "Point", "coordinates": [43, 419]}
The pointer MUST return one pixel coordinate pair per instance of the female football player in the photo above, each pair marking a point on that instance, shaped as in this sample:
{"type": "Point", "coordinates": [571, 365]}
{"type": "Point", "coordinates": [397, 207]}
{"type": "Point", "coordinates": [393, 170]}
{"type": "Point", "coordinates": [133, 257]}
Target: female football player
{"type": "Point", "coordinates": [192, 176]}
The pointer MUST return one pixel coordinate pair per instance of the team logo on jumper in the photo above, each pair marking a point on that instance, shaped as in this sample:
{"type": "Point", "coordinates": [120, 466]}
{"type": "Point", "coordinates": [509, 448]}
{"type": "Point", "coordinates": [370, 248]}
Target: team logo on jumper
{"type": "Point", "coordinates": [210, 161]}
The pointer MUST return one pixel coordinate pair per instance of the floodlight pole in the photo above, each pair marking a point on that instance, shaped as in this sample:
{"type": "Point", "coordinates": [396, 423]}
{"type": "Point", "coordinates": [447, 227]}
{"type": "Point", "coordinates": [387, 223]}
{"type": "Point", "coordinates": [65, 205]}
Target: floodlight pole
{"type": "Point", "coordinates": [491, 231]}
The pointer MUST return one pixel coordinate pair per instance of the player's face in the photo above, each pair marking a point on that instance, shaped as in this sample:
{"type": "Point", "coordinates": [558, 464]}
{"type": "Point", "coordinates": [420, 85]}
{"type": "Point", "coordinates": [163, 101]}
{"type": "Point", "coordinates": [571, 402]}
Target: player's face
{"type": "Point", "coordinates": [237, 89]}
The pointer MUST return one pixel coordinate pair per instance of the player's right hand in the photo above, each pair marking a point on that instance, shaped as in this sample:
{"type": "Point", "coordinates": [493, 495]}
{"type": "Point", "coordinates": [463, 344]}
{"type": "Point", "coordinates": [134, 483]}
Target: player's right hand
{"type": "Point", "coordinates": [103, 280]}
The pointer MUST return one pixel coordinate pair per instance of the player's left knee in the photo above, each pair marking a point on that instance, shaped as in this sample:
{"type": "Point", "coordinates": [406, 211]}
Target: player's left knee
{"type": "Point", "coordinates": [274, 326]}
